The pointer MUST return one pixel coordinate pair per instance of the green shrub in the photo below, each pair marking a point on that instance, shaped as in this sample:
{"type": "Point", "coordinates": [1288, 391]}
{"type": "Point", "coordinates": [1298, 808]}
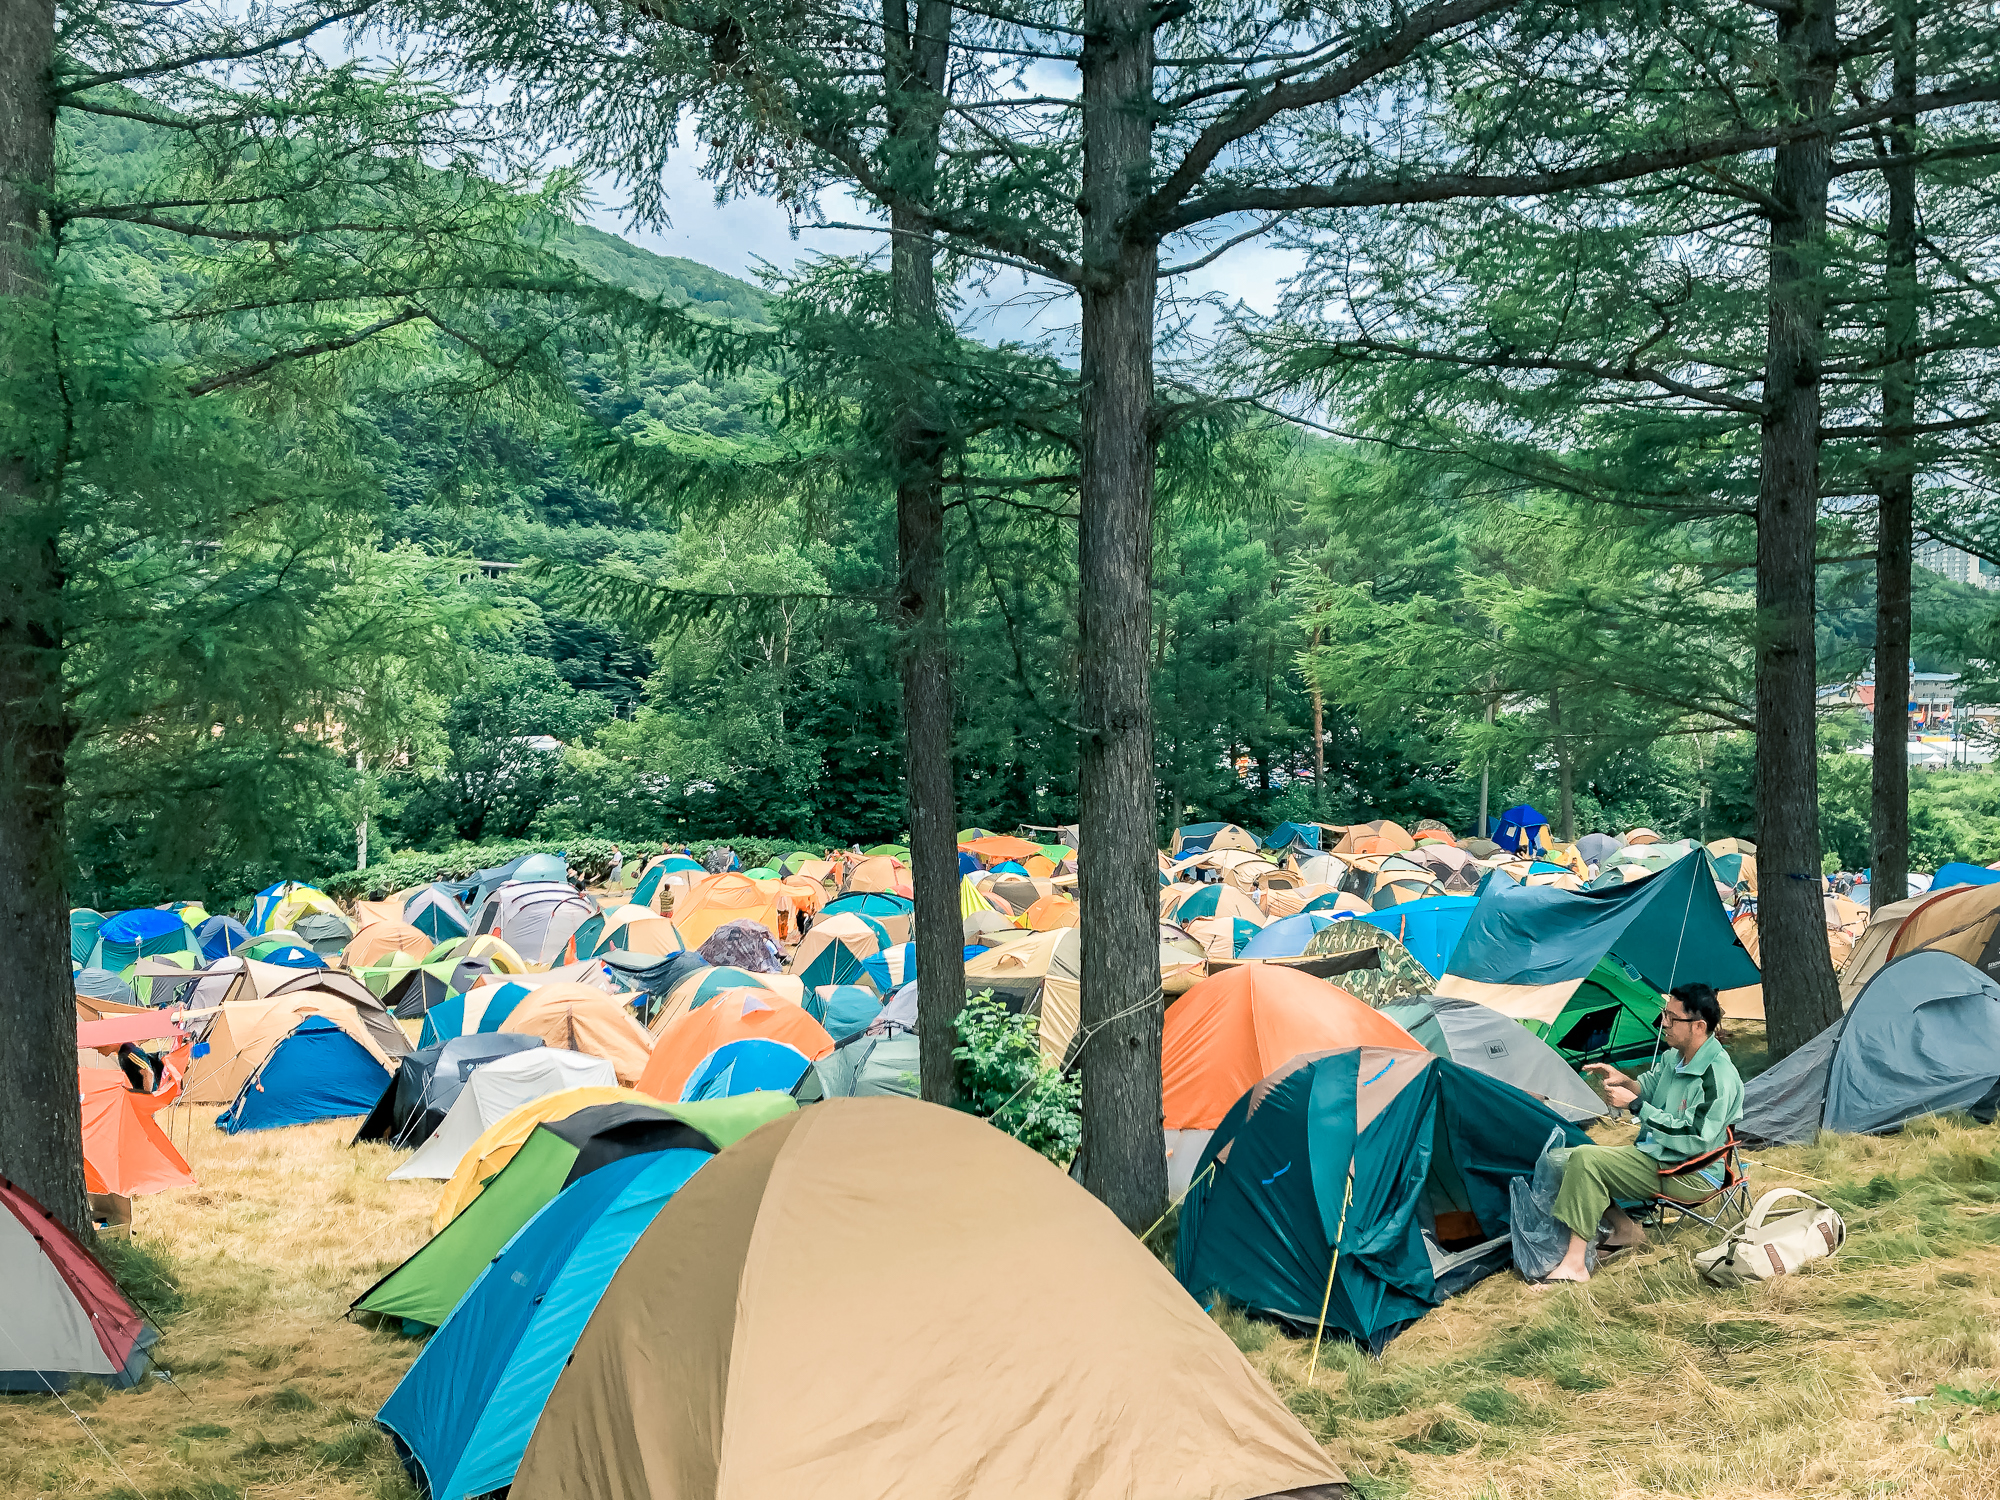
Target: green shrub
{"type": "Point", "coordinates": [1003, 1078]}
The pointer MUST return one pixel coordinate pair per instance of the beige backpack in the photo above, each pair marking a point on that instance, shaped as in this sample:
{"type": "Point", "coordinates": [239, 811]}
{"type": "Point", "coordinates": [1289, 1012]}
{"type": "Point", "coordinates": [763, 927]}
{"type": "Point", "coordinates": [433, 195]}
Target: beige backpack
{"type": "Point", "coordinates": [1762, 1247]}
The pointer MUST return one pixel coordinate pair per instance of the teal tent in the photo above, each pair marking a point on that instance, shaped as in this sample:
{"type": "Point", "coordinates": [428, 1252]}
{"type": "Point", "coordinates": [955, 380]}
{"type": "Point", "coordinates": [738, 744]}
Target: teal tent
{"type": "Point", "coordinates": [1401, 1158]}
{"type": "Point", "coordinates": [1527, 948]}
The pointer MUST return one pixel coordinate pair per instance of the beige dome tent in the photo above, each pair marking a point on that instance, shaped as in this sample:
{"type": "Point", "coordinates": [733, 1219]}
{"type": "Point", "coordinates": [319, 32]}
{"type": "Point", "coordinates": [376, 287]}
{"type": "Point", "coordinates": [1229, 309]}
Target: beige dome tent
{"type": "Point", "coordinates": [244, 1033]}
{"type": "Point", "coordinates": [1058, 1359]}
{"type": "Point", "coordinates": [580, 1019]}
{"type": "Point", "coordinates": [1962, 920]}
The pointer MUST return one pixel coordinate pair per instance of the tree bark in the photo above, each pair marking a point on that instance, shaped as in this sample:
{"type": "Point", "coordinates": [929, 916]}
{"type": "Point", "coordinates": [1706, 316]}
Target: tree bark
{"type": "Point", "coordinates": [1800, 996]}
{"type": "Point", "coordinates": [1895, 492]}
{"type": "Point", "coordinates": [1123, 1155]}
{"type": "Point", "coordinates": [41, 1126]}
{"type": "Point", "coordinates": [915, 73]}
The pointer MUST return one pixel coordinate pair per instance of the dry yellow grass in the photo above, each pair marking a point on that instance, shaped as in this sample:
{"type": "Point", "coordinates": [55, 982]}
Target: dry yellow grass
{"type": "Point", "coordinates": [1645, 1383]}
{"type": "Point", "coordinates": [272, 1388]}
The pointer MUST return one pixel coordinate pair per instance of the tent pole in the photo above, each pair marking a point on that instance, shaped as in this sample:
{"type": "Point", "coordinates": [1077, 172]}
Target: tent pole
{"type": "Point", "coordinates": [1326, 1299]}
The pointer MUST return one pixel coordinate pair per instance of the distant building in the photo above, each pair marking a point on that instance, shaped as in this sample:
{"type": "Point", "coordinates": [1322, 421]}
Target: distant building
{"type": "Point", "coordinates": [1933, 702]}
{"type": "Point", "coordinates": [1959, 566]}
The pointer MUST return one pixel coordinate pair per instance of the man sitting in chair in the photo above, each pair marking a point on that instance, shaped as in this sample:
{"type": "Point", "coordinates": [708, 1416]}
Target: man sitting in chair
{"type": "Point", "coordinates": [1685, 1103]}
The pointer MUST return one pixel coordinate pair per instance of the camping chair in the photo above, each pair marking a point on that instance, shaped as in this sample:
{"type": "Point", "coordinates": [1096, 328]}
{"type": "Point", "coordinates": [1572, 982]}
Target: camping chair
{"type": "Point", "coordinates": [1722, 1208]}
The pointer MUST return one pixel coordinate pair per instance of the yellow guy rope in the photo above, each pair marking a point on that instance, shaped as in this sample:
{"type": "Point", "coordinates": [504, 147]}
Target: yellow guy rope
{"type": "Point", "coordinates": [1326, 1300]}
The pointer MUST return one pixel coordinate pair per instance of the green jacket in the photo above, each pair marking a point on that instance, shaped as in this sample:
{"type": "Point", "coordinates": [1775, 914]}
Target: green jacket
{"type": "Point", "coordinates": [1686, 1108]}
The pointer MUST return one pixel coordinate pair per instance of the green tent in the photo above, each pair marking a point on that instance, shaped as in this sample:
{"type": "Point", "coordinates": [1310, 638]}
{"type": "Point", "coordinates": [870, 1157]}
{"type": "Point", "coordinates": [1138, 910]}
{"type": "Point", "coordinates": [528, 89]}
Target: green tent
{"type": "Point", "coordinates": [892, 851]}
{"type": "Point", "coordinates": [424, 1289]}
{"type": "Point", "coordinates": [1400, 1158]}
{"type": "Point", "coordinates": [1613, 1016]}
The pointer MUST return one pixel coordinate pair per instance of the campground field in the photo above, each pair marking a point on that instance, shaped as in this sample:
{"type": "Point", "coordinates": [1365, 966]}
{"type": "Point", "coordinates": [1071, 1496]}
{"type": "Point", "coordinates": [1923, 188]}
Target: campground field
{"type": "Point", "coordinates": [1875, 1374]}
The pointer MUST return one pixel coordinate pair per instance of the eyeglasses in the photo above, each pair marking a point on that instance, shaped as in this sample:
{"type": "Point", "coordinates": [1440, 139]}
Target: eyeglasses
{"type": "Point", "coordinates": [1668, 1018]}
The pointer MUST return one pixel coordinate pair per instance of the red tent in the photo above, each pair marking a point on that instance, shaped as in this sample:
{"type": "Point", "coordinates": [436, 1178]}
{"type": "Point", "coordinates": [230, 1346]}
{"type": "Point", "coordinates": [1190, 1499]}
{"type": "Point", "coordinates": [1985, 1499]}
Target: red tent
{"type": "Point", "coordinates": [63, 1317]}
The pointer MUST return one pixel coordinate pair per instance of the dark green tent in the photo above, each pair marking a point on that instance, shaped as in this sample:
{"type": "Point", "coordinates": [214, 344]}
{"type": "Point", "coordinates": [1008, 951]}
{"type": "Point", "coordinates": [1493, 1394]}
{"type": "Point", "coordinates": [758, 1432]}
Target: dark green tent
{"type": "Point", "coordinates": [1401, 1157]}
{"type": "Point", "coordinates": [1613, 1016]}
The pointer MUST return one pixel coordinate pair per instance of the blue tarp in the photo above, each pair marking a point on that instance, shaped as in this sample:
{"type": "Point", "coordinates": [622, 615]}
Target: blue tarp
{"type": "Point", "coordinates": [1959, 873]}
{"type": "Point", "coordinates": [462, 1416]}
{"type": "Point", "coordinates": [1670, 930]}
{"type": "Point", "coordinates": [1429, 928]}
{"type": "Point", "coordinates": [318, 1072]}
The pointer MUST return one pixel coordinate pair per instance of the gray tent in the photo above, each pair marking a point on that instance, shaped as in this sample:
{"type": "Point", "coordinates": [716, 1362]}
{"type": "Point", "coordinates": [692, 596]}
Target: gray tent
{"type": "Point", "coordinates": [429, 1080]}
{"type": "Point", "coordinates": [867, 1065]}
{"type": "Point", "coordinates": [536, 918]}
{"type": "Point", "coordinates": [1597, 847]}
{"type": "Point", "coordinates": [434, 912]}
{"type": "Point", "coordinates": [1478, 1036]}
{"type": "Point", "coordinates": [102, 984]}
{"type": "Point", "coordinates": [1921, 1038]}
{"type": "Point", "coordinates": [325, 933]}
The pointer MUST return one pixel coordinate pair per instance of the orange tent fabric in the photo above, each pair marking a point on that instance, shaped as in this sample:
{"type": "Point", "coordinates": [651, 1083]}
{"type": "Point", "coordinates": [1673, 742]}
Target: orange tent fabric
{"type": "Point", "coordinates": [1380, 837]}
{"type": "Point", "coordinates": [807, 894]}
{"type": "Point", "coordinates": [730, 1016]}
{"type": "Point", "coordinates": [1052, 912]}
{"type": "Point", "coordinates": [1000, 846]}
{"type": "Point", "coordinates": [724, 898]}
{"type": "Point", "coordinates": [580, 1019]}
{"type": "Point", "coordinates": [1228, 1033]}
{"type": "Point", "coordinates": [877, 873]}
{"type": "Point", "coordinates": [375, 941]}
{"type": "Point", "coordinates": [124, 1150]}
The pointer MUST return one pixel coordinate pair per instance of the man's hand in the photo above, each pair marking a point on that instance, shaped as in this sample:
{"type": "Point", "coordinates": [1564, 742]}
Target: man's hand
{"type": "Point", "coordinates": [1619, 1088]}
{"type": "Point", "coordinates": [1621, 1097]}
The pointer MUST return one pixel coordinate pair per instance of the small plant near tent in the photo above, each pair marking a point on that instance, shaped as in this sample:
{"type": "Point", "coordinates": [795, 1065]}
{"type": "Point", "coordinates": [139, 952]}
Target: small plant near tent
{"type": "Point", "coordinates": [1003, 1078]}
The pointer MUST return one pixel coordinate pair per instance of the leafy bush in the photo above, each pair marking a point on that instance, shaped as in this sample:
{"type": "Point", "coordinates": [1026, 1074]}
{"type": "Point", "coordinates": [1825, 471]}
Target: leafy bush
{"type": "Point", "coordinates": [1003, 1078]}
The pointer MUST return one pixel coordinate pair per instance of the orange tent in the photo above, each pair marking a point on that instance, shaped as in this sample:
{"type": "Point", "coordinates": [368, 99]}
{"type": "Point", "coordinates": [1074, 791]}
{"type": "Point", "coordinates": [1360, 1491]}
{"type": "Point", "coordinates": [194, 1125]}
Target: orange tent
{"type": "Point", "coordinates": [807, 894]}
{"type": "Point", "coordinates": [581, 1019]}
{"type": "Point", "coordinates": [1380, 837]}
{"type": "Point", "coordinates": [1228, 1033]}
{"type": "Point", "coordinates": [375, 941]}
{"type": "Point", "coordinates": [999, 846]}
{"type": "Point", "coordinates": [725, 898]}
{"type": "Point", "coordinates": [1051, 912]}
{"type": "Point", "coordinates": [124, 1151]}
{"type": "Point", "coordinates": [732, 1016]}
{"type": "Point", "coordinates": [878, 873]}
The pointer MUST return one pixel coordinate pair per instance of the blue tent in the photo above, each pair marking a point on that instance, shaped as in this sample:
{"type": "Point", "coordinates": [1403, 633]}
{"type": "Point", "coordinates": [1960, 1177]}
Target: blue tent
{"type": "Point", "coordinates": [1959, 873]}
{"type": "Point", "coordinates": [83, 926]}
{"type": "Point", "coordinates": [1285, 938]}
{"type": "Point", "coordinates": [871, 904]}
{"type": "Point", "coordinates": [834, 964]}
{"type": "Point", "coordinates": [967, 862]}
{"type": "Point", "coordinates": [292, 956]}
{"type": "Point", "coordinates": [219, 936]}
{"type": "Point", "coordinates": [1377, 1150]}
{"type": "Point", "coordinates": [1519, 829]}
{"type": "Point", "coordinates": [1289, 835]}
{"type": "Point", "coordinates": [1429, 928]}
{"type": "Point", "coordinates": [743, 1067]}
{"type": "Point", "coordinates": [892, 968]}
{"type": "Point", "coordinates": [318, 1072]}
{"type": "Point", "coordinates": [1011, 867]}
{"type": "Point", "coordinates": [1526, 948]}
{"type": "Point", "coordinates": [843, 1009]}
{"type": "Point", "coordinates": [265, 902]}
{"type": "Point", "coordinates": [462, 1415]}
{"type": "Point", "coordinates": [449, 1018]}
{"type": "Point", "coordinates": [1195, 838]}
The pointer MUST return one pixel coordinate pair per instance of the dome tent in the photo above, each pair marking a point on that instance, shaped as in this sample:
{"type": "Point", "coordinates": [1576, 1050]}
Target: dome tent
{"type": "Point", "coordinates": [494, 1091]}
{"type": "Point", "coordinates": [1229, 1031]}
{"type": "Point", "coordinates": [464, 1411]}
{"type": "Point", "coordinates": [63, 1318]}
{"type": "Point", "coordinates": [1922, 1038]}
{"type": "Point", "coordinates": [557, 1151]}
{"type": "Point", "coordinates": [429, 1081]}
{"type": "Point", "coordinates": [1521, 829]}
{"type": "Point", "coordinates": [1101, 1379]}
{"type": "Point", "coordinates": [1403, 1158]}
{"type": "Point", "coordinates": [435, 912]}
{"type": "Point", "coordinates": [1470, 1033]}
{"type": "Point", "coordinates": [316, 1072]}
{"type": "Point", "coordinates": [741, 1041]}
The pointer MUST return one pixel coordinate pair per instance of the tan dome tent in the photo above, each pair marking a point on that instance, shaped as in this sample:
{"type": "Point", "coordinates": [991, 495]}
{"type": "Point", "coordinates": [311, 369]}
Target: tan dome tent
{"type": "Point", "coordinates": [1096, 1377]}
{"type": "Point", "coordinates": [1962, 920]}
{"type": "Point", "coordinates": [1380, 837]}
{"type": "Point", "coordinates": [880, 874]}
{"type": "Point", "coordinates": [244, 1033]}
{"type": "Point", "coordinates": [580, 1019]}
{"type": "Point", "coordinates": [375, 941]}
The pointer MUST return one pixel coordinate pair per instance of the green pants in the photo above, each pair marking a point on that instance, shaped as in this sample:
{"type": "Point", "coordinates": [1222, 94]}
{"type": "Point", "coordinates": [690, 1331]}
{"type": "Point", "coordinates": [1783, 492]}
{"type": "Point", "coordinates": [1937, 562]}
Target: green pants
{"type": "Point", "coordinates": [1595, 1176]}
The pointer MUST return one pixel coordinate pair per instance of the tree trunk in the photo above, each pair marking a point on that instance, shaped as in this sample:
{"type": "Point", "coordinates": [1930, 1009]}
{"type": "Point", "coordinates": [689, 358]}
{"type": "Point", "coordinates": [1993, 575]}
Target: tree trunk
{"type": "Point", "coordinates": [1800, 996]}
{"type": "Point", "coordinates": [41, 1125]}
{"type": "Point", "coordinates": [915, 69]}
{"type": "Point", "coordinates": [1319, 740]}
{"type": "Point", "coordinates": [1124, 1149]}
{"type": "Point", "coordinates": [1565, 773]}
{"type": "Point", "coordinates": [1895, 491]}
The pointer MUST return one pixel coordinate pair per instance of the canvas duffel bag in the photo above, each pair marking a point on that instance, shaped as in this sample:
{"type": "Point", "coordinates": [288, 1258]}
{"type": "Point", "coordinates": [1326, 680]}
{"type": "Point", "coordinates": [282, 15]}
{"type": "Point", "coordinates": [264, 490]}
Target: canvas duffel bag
{"type": "Point", "coordinates": [1762, 1247]}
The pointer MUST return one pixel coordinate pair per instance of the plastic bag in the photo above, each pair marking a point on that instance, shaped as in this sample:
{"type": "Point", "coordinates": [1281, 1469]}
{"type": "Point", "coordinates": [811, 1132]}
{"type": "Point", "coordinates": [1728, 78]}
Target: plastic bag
{"type": "Point", "coordinates": [1540, 1239]}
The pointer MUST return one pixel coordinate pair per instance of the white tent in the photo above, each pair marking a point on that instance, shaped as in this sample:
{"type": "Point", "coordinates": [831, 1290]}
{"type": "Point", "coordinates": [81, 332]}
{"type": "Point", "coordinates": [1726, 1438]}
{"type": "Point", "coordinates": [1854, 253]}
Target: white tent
{"type": "Point", "coordinates": [63, 1317]}
{"type": "Point", "coordinates": [495, 1089]}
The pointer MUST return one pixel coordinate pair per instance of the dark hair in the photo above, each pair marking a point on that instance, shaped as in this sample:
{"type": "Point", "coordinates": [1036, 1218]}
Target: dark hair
{"type": "Point", "coordinates": [1701, 1004]}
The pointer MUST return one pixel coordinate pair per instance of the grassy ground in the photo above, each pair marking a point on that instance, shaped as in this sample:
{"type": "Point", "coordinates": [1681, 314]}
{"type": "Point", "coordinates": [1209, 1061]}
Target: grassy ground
{"type": "Point", "coordinates": [1644, 1383]}
{"type": "Point", "coordinates": [272, 1389]}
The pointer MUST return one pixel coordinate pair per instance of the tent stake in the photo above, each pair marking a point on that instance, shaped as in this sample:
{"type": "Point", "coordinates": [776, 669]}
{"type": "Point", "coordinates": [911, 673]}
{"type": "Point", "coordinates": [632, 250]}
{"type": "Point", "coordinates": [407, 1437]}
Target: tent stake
{"type": "Point", "coordinates": [1326, 1299]}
